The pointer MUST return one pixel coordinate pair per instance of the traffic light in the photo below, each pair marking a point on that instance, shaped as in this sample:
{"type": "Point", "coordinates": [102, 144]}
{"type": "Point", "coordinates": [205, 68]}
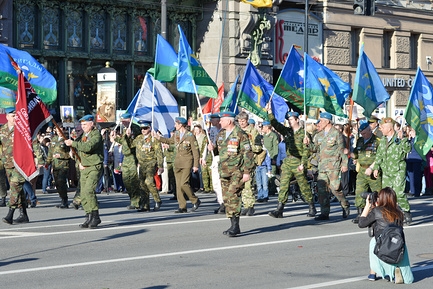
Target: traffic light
{"type": "Point", "coordinates": [364, 7]}
{"type": "Point", "coordinates": [360, 7]}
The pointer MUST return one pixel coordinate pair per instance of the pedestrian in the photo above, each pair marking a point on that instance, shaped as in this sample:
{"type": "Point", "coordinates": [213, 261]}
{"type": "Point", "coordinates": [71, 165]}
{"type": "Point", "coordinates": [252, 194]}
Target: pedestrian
{"type": "Point", "coordinates": [271, 141]}
{"type": "Point", "coordinates": [428, 173]}
{"type": "Point", "coordinates": [364, 155]}
{"type": "Point", "coordinates": [186, 161]}
{"type": "Point", "coordinates": [332, 161]}
{"type": "Point", "coordinates": [90, 149]}
{"type": "Point", "coordinates": [46, 177]}
{"type": "Point", "coordinates": [263, 169]}
{"type": "Point", "coordinates": [374, 125]}
{"type": "Point", "coordinates": [414, 167]}
{"type": "Point", "coordinates": [17, 199]}
{"type": "Point", "coordinates": [295, 163]}
{"type": "Point", "coordinates": [380, 210]}
{"type": "Point", "coordinates": [235, 165]}
{"type": "Point", "coordinates": [129, 164]}
{"type": "Point", "coordinates": [58, 157]}
{"type": "Point", "coordinates": [248, 196]}
{"type": "Point", "coordinates": [391, 160]}
{"type": "Point", "coordinates": [148, 152]}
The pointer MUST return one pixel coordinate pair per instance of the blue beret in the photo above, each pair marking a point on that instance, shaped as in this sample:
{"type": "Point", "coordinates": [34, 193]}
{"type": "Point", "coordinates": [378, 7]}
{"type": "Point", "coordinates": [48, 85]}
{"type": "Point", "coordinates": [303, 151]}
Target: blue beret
{"type": "Point", "coordinates": [266, 122]}
{"type": "Point", "coordinates": [363, 125]}
{"type": "Point", "coordinates": [215, 115]}
{"type": "Point", "coordinates": [126, 115]}
{"type": "Point", "coordinates": [10, 109]}
{"type": "Point", "coordinates": [144, 123]}
{"type": "Point", "coordinates": [181, 120]}
{"type": "Point", "coordinates": [88, 117]}
{"type": "Point", "coordinates": [326, 115]}
{"type": "Point", "coordinates": [227, 114]}
{"type": "Point", "coordinates": [292, 113]}
{"type": "Point", "coordinates": [251, 121]}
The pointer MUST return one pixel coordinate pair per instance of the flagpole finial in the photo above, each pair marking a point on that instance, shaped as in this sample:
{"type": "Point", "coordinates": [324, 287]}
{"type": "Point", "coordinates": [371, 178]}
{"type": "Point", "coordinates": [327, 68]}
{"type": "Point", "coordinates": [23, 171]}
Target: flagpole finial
{"type": "Point", "coordinates": [107, 64]}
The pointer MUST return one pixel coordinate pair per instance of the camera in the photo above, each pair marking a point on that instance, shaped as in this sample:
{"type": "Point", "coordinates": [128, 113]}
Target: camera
{"type": "Point", "coordinates": [373, 196]}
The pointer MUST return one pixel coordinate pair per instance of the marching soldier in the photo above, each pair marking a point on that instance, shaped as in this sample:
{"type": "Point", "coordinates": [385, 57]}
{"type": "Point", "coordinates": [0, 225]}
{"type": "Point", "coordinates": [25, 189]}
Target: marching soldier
{"type": "Point", "coordinates": [363, 157]}
{"type": "Point", "coordinates": [90, 149]}
{"type": "Point", "coordinates": [329, 146]}
{"type": "Point", "coordinates": [187, 158]}
{"type": "Point", "coordinates": [295, 163]}
{"type": "Point", "coordinates": [235, 165]}
{"type": "Point", "coordinates": [129, 163]}
{"type": "Point", "coordinates": [58, 156]}
{"type": "Point", "coordinates": [149, 155]}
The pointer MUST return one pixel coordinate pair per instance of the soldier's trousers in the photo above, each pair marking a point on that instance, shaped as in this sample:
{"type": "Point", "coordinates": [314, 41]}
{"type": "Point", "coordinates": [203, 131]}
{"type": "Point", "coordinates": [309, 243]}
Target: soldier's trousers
{"type": "Point", "coordinates": [182, 186]}
{"type": "Point", "coordinates": [248, 198]}
{"type": "Point", "coordinates": [16, 181]}
{"type": "Point", "coordinates": [130, 180]}
{"type": "Point", "coordinates": [89, 179]}
{"type": "Point", "coordinates": [330, 178]}
{"type": "Point", "coordinates": [206, 175]}
{"type": "Point", "coordinates": [289, 169]}
{"type": "Point", "coordinates": [147, 182]}
{"type": "Point", "coordinates": [397, 181]}
{"type": "Point", "coordinates": [3, 183]}
{"type": "Point", "coordinates": [363, 184]}
{"type": "Point", "coordinates": [60, 179]}
{"type": "Point", "coordinates": [232, 190]}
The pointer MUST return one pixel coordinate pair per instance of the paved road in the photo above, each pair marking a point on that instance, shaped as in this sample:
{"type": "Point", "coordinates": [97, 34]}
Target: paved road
{"type": "Point", "coordinates": [166, 250]}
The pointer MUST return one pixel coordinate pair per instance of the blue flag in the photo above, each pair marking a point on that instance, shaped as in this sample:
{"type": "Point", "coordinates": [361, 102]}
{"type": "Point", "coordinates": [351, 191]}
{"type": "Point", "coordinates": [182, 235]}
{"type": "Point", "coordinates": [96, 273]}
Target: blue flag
{"type": "Point", "coordinates": [165, 61]}
{"type": "Point", "coordinates": [324, 88]}
{"type": "Point", "coordinates": [230, 102]}
{"type": "Point", "coordinates": [256, 92]}
{"type": "Point", "coordinates": [290, 84]}
{"type": "Point", "coordinates": [419, 113]}
{"type": "Point", "coordinates": [164, 105]}
{"type": "Point", "coordinates": [190, 72]}
{"type": "Point", "coordinates": [39, 78]}
{"type": "Point", "coordinates": [368, 90]}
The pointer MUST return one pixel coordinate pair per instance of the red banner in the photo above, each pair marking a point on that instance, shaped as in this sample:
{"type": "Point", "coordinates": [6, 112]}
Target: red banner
{"type": "Point", "coordinates": [31, 115]}
{"type": "Point", "coordinates": [213, 105]}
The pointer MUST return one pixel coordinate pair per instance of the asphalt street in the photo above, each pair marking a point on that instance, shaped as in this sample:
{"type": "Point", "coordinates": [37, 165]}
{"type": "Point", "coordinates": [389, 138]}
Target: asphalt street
{"type": "Point", "coordinates": [165, 250]}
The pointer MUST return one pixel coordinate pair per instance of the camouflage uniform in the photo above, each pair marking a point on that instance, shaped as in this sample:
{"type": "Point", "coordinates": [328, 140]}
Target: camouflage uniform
{"type": "Point", "coordinates": [390, 158]}
{"type": "Point", "coordinates": [206, 172]}
{"type": "Point", "coordinates": [236, 159]}
{"type": "Point", "coordinates": [187, 157]}
{"type": "Point", "coordinates": [169, 159]}
{"type": "Point", "coordinates": [296, 154]}
{"type": "Point", "coordinates": [58, 156]}
{"type": "Point", "coordinates": [365, 154]}
{"type": "Point", "coordinates": [248, 198]}
{"type": "Point", "coordinates": [330, 153]}
{"type": "Point", "coordinates": [271, 141]}
{"type": "Point", "coordinates": [149, 156]}
{"type": "Point", "coordinates": [90, 148]}
{"type": "Point", "coordinates": [129, 167]}
{"type": "Point", "coordinates": [3, 181]}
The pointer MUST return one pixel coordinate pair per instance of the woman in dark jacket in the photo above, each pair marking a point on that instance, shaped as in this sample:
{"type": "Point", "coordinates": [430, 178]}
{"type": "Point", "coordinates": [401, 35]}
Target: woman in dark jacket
{"type": "Point", "coordinates": [377, 214]}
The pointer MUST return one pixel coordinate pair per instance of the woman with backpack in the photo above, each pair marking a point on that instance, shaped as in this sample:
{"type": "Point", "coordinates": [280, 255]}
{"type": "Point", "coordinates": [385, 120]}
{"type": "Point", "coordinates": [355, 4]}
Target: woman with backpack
{"type": "Point", "coordinates": [381, 213]}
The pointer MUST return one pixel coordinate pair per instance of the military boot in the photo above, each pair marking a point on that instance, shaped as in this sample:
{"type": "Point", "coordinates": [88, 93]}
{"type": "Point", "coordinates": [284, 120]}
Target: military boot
{"type": "Point", "coordinates": [94, 220]}
{"type": "Point", "coordinates": [346, 212]}
{"type": "Point", "coordinates": [235, 229]}
{"type": "Point", "coordinates": [407, 218]}
{"type": "Point", "coordinates": [251, 211]}
{"type": "Point", "coordinates": [312, 210]}
{"type": "Point", "coordinates": [220, 210]}
{"type": "Point", "coordinates": [9, 217]}
{"type": "Point", "coordinates": [86, 221]}
{"type": "Point", "coordinates": [3, 202]}
{"type": "Point", "coordinates": [244, 211]}
{"type": "Point", "coordinates": [226, 232]}
{"type": "Point", "coordinates": [356, 220]}
{"type": "Point", "coordinates": [64, 204]}
{"type": "Point", "coordinates": [278, 213]}
{"type": "Point", "coordinates": [22, 218]}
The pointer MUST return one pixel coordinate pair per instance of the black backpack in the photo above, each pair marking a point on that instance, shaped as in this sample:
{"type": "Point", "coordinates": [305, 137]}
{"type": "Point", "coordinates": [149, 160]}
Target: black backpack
{"type": "Point", "coordinates": [390, 244]}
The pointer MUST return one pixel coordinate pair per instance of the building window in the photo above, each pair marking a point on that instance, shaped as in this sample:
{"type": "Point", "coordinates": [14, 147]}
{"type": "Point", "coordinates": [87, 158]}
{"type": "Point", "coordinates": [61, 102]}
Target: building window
{"type": "Point", "coordinates": [356, 39]}
{"type": "Point", "coordinates": [97, 30]}
{"type": "Point", "coordinates": [387, 48]}
{"type": "Point", "coordinates": [141, 35]}
{"type": "Point", "coordinates": [26, 26]}
{"type": "Point", "coordinates": [414, 40]}
{"type": "Point", "coordinates": [119, 33]}
{"type": "Point", "coordinates": [74, 29]}
{"type": "Point", "coordinates": [51, 28]}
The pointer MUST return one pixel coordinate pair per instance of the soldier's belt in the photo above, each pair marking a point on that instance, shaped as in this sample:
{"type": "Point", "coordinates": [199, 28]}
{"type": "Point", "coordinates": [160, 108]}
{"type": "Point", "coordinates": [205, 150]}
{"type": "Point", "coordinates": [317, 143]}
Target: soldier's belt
{"type": "Point", "coordinates": [293, 157]}
{"type": "Point", "coordinates": [365, 166]}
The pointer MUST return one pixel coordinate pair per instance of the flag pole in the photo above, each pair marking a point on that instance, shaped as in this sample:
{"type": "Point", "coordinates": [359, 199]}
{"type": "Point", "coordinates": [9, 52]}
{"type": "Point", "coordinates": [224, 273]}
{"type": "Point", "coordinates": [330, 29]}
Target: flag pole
{"type": "Point", "coordinates": [305, 93]}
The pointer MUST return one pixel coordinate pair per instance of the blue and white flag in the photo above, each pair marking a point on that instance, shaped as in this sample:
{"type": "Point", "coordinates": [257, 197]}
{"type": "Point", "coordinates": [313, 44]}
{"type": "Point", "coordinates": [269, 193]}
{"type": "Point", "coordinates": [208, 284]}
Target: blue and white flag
{"type": "Point", "coordinates": [164, 105]}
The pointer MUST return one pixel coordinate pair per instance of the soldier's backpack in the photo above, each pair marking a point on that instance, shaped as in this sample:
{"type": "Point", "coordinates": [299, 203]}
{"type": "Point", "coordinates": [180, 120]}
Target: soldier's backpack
{"type": "Point", "coordinates": [390, 244]}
